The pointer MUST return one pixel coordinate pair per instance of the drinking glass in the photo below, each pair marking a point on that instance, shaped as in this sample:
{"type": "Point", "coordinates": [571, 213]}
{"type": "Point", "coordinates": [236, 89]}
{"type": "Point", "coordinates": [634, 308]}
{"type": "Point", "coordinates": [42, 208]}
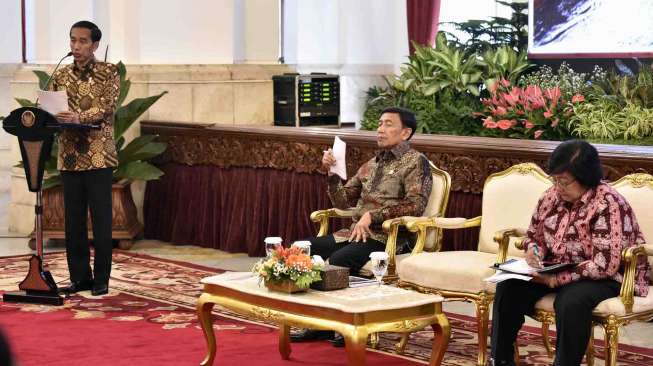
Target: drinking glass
{"type": "Point", "coordinates": [379, 265]}
{"type": "Point", "coordinates": [271, 244]}
{"type": "Point", "coordinates": [304, 245]}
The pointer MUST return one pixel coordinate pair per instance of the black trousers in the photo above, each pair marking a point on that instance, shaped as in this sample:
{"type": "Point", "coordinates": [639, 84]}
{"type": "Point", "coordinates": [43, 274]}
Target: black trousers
{"type": "Point", "coordinates": [352, 255]}
{"type": "Point", "coordinates": [573, 311]}
{"type": "Point", "coordinates": [85, 190]}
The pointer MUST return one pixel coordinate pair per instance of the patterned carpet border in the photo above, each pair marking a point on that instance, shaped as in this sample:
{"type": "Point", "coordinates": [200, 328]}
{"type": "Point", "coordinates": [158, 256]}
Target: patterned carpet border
{"type": "Point", "coordinates": [177, 283]}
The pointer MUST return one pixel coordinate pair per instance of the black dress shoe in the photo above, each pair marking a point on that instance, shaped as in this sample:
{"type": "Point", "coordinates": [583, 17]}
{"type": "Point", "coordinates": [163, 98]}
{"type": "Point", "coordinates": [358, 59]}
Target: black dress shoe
{"type": "Point", "coordinates": [338, 340]}
{"type": "Point", "coordinates": [308, 335]}
{"type": "Point", "coordinates": [100, 289]}
{"type": "Point", "coordinates": [77, 286]}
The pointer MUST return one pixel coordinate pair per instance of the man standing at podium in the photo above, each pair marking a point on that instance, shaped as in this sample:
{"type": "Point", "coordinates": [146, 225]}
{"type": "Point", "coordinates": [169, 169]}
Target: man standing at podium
{"type": "Point", "coordinates": [87, 158]}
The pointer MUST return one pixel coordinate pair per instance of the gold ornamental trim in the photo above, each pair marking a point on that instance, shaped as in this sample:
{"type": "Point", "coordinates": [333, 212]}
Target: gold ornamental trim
{"type": "Point", "coordinates": [28, 118]}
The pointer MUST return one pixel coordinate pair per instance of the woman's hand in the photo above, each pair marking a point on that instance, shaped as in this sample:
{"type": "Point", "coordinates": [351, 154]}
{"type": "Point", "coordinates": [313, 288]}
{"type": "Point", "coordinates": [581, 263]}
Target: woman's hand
{"type": "Point", "coordinates": [545, 279]}
{"type": "Point", "coordinates": [533, 257]}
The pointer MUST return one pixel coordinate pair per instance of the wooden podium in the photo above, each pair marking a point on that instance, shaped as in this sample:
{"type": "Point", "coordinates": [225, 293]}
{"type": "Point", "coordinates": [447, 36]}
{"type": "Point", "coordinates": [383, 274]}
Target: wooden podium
{"type": "Point", "coordinates": [35, 130]}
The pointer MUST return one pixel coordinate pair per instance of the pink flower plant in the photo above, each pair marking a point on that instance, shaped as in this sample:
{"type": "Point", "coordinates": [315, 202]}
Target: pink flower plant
{"type": "Point", "coordinates": [530, 112]}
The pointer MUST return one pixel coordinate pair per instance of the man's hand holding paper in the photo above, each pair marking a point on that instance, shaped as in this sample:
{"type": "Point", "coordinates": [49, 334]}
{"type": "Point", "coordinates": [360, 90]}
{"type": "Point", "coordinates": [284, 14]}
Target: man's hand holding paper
{"type": "Point", "coordinates": [339, 166]}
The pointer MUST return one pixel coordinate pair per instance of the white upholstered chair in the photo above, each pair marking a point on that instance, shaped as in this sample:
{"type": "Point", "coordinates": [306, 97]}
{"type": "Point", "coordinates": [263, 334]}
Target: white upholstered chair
{"type": "Point", "coordinates": [617, 311]}
{"type": "Point", "coordinates": [436, 206]}
{"type": "Point", "coordinates": [509, 199]}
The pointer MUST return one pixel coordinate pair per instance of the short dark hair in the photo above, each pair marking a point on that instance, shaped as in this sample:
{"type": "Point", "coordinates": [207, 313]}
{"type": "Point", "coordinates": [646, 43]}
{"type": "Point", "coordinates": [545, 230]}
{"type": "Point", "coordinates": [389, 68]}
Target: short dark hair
{"type": "Point", "coordinates": [96, 33]}
{"type": "Point", "coordinates": [580, 159]}
{"type": "Point", "coordinates": [406, 116]}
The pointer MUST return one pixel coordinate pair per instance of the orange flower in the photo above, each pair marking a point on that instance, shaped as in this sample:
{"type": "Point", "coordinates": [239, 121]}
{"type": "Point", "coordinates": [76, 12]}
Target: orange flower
{"type": "Point", "coordinates": [577, 98]}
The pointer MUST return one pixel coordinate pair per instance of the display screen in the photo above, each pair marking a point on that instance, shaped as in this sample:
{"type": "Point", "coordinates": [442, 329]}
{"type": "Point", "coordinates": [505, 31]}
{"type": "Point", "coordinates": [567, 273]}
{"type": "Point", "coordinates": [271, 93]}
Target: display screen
{"type": "Point", "coordinates": [590, 28]}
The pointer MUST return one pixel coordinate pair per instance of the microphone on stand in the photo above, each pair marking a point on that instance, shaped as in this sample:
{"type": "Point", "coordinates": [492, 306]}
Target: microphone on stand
{"type": "Point", "coordinates": [55, 69]}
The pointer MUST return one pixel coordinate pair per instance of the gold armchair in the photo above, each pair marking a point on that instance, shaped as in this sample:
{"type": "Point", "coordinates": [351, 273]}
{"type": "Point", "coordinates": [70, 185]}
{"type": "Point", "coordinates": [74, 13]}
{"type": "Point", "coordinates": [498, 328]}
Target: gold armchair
{"type": "Point", "coordinates": [436, 206]}
{"type": "Point", "coordinates": [509, 198]}
{"type": "Point", "coordinates": [617, 311]}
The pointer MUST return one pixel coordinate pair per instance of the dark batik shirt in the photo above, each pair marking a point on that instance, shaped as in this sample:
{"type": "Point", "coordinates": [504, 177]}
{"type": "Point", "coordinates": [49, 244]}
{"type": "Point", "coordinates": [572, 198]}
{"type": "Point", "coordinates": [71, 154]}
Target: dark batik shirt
{"type": "Point", "coordinates": [395, 183]}
{"type": "Point", "coordinates": [92, 93]}
{"type": "Point", "coordinates": [592, 232]}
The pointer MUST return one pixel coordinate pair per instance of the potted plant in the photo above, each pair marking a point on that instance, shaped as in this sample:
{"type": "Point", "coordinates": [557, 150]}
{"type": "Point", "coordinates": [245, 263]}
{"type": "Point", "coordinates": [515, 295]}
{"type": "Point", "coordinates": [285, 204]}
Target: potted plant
{"type": "Point", "coordinates": [132, 165]}
{"type": "Point", "coordinates": [288, 270]}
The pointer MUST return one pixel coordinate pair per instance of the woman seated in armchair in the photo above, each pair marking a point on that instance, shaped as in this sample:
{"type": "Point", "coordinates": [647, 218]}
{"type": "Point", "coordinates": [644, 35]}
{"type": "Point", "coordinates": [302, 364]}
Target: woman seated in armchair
{"type": "Point", "coordinates": [579, 220]}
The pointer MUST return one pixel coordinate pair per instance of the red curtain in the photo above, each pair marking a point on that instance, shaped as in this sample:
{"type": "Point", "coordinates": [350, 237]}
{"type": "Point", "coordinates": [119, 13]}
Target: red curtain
{"type": "Point", "coordinates": [423, 18]}
{"type": "Point", "coordinates": [233, 209]}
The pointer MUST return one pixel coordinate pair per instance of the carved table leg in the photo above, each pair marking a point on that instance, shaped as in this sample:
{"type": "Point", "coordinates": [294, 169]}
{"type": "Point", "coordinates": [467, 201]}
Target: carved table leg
{"type": "Point", "coordinates": [284, 341]}
{"type": "Point", "coordinates": [355, 342]}
{"type": "Point", "coordinates": [441, 336]}
{"type": "Point", "coordinates": [204, 307]}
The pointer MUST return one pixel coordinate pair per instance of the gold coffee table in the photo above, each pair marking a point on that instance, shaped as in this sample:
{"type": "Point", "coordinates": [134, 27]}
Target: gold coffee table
{"type": "Point", "coordinates": [353, 312]}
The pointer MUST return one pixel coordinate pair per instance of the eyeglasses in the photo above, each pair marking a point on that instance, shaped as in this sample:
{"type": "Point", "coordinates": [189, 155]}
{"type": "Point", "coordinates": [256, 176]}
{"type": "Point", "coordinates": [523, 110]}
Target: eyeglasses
{"type": "Point", "coordinates": [561, 183]}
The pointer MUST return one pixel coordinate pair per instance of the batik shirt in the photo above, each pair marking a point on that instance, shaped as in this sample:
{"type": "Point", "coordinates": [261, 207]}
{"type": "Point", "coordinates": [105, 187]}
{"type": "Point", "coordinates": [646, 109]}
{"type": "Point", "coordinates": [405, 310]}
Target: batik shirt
{"type": "Point", "coordinates": [591, 232]}
{"type": "Point", "coordinates": [92, 94]}
{"type": "Point", "coordinates": [395, 183]}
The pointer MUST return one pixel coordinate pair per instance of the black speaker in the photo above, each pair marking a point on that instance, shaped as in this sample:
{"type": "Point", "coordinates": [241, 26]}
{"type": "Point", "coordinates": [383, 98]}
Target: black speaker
{"type": "Point", "coordinates": [306, 100]}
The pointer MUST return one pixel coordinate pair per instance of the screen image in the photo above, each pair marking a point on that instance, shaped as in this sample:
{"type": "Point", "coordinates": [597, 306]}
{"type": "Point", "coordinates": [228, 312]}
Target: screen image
{"type": "Point", "coordinates": [590, 28]}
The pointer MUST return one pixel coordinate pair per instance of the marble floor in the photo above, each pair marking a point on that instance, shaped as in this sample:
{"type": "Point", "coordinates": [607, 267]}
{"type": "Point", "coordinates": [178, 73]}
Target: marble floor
{"type": "Point", "coordinates": [637, 334]}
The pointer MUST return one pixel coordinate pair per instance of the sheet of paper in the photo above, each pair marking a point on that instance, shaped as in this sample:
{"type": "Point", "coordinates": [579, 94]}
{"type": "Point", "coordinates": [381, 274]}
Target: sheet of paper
{"type": "Point", "coordinates": [340, 168]}
{"type": "Point", "coordinates": [53, 102]}
{"type": "Point", "coordinates": [518, 266]}
{"type": "Point", "coordinates": [502, 276]}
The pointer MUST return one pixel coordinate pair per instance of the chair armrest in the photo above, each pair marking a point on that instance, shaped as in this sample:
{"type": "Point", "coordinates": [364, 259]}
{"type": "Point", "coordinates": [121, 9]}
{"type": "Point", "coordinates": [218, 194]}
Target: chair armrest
{"type": "Point", "coordinates": [629, 257]}
{"type": "Point", "coordinates": [502, 238]}
{"type": "Point", "coordinates": [420, 225]}
{"type": "Point", "coordinates": [323, 216]}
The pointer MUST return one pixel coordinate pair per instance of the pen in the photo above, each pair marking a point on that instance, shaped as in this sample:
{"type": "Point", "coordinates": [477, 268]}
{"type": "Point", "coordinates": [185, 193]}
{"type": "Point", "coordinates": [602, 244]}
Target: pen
{"type": "Point", "coordinates": [536, 251]}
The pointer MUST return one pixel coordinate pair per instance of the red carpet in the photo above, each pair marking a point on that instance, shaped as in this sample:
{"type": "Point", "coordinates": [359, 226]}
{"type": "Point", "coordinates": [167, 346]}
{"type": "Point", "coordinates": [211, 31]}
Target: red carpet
{"type": "Point", "coordinates": [148, 318]}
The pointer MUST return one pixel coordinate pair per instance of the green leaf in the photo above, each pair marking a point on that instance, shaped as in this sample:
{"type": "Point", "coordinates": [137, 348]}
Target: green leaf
{"type": "Point", "coordinates": [141, 148]}
{"type": "Point", "coordinates": [137, 170]}
{"type": "Point", "coordinates": [51, 181]}
{"type": "Point", "coordinates": [127, 115]}
{"type": "Point", "coordinates": [125, 84]}
{"type": "Point", "coordinates": [43, 79]}
{"type": "Point", "coordinates": [25, 102]}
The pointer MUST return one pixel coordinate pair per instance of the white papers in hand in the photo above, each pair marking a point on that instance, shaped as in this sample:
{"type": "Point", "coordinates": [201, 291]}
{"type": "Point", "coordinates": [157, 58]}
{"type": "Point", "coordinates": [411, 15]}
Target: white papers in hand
{"type": "Point", "coordinates": [502, 276]}
{"type": "Point", "coordinates": [340, 167]}
{"type": "Point", "coordinates": [519, 266]}
{"type": "Point", "coordinates": [53, 102]}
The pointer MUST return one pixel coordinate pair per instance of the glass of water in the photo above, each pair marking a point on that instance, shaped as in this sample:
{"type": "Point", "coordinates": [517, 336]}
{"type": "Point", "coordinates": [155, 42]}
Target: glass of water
{"type": "Point", "coordinates": [379, 265]}
{"type": "Point", "coordinates": [271, 244]}
{"type": "Point", "coordinates": [304, 245]}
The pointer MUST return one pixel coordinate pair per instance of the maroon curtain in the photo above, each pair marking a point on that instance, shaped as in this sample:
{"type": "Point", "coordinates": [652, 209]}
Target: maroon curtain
{"type": "Point", "coordinates": [423, 17]}
{"type": "Point", "coordinates": [234, 209]}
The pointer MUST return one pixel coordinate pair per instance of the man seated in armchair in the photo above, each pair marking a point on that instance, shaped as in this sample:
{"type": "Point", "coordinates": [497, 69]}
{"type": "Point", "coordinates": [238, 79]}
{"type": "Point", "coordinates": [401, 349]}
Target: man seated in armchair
{"type": "Point", "coordinates": [396, 182]}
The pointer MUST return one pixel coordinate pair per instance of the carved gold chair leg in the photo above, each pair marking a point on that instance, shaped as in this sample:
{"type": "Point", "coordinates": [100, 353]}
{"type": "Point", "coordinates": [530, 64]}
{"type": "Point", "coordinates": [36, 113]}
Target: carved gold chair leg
{"type": "Point", "coordinates": [611, 327]}
{"type": "Point", "coordinates": [374, 340]}
{"type": "Point", "coordinates": [589, 354]}
{"type": "Point", "coordinates": [516, 354]}
{"type": "Point", "coordinates": [550, 350]}
{"type": "Point", "coordinates": [482, 318]}
{"type": "Point", "coordinates": [401, 345]}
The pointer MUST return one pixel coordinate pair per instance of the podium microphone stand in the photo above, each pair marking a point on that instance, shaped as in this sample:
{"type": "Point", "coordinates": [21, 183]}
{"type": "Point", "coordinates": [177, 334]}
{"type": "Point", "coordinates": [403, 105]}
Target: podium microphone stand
{"type": "Point", "coordinates": [35, 130]}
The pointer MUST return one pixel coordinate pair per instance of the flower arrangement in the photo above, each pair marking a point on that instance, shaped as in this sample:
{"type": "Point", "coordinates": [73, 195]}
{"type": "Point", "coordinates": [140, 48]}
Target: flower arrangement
{"type": "Point", "coordinates": [529, 112]}
{"type": "Point", "coordinates": [290, 264]}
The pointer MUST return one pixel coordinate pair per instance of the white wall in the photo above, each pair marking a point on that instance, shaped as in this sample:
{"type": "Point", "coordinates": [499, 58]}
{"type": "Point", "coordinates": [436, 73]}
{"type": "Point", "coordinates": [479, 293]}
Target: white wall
{"type": "Point", "coordinates": [359, 40]}
{"type": "Point", "coordinates": [10, 41]}
{"type": "Point", "coordinates": [155, 31]}
{"type": "Point", "coordinates": [48, 26]}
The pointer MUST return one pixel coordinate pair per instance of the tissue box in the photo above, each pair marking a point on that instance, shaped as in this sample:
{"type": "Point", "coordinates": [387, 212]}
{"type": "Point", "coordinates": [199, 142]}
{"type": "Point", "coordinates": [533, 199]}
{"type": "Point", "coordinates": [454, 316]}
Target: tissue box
{"type": "Point", "coordinates": [333, 278]}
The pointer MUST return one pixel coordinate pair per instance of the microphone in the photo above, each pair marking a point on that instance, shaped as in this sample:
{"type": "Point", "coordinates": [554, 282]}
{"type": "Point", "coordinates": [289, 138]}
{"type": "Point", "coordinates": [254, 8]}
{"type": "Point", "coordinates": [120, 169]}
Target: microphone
{"type": "Point", "coordinates": [47, 84]}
